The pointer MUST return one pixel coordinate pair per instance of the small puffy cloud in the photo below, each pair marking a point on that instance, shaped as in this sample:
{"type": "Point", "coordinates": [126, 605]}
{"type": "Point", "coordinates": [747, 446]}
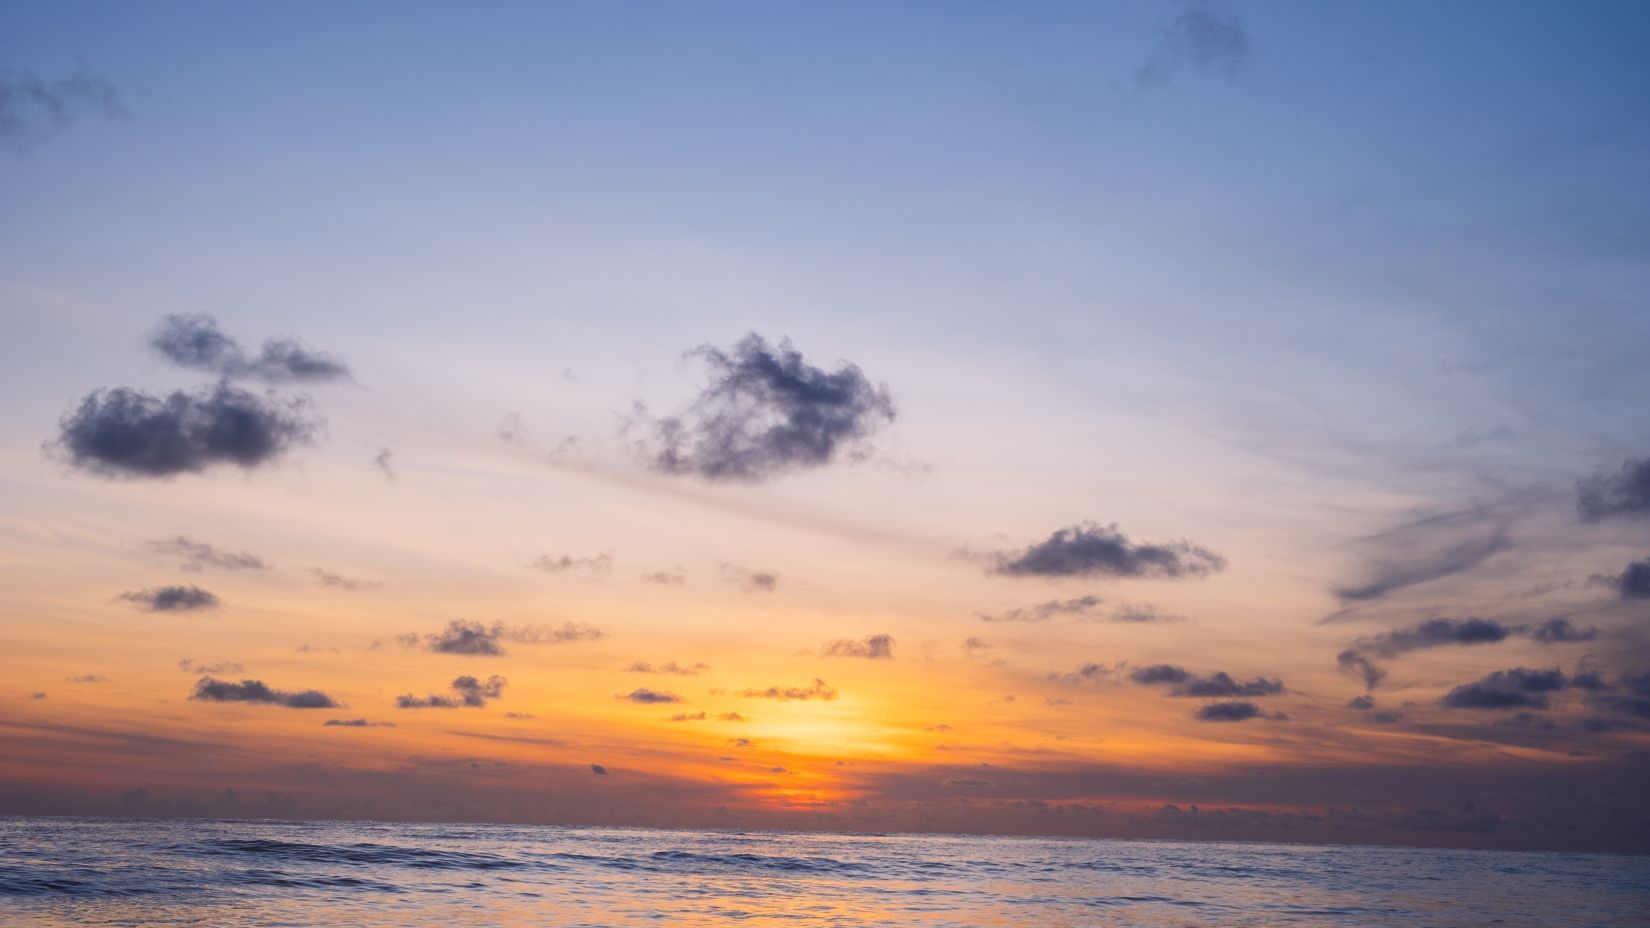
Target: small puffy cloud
{"type": "Point", "coordinates": [128, 433]}
{"type": "Point", "coordinates": [1518, 688]}
{"type": "Point", "coordinates": [819, 689]}
{"type": "Point", "coordinates": [1361, 703]}
{"type": "Point", "coordinates": [196, 342]}
{"type": "Point", "coordinates": [463, 636]}
{"type": "Point", "coordinates": [467, 636]}
{"type": "Point", "coordinates": [751, 580]}
{"type": "Point", "coordinates": [1088, 672]}
{"type": "Point", "coordinates": [1634, 582]}
{"type": "Point", "coordinates": [1080, 606]}
{"type": "Point", "coordinates": [1624, 492]}
{"type": "Point", "coordinates": [1559, 630]}
{"type": "Point", "coordinates": [172, 599]}
{"type": "Point", "coordinates": [1093, 550]}
{"type": "Point", "coordinates": [198, 555]}
{"type": "Point", "coordinates": [1235, 711]}
{"type": "Point", "coordinates": [669, 667]}
{"type": "Point", "coordinates": [89, 678]}
{"type": "Point", "coordinates": [566, 563]}
{"type": "Point", "coordinates": [466, 692]}
{"type": "Point", "coordinates": [355, 723]}
{"type": "Point", "coordinates": [765, 411]}
{"type": "Point", "coordinates": [1204, 686]}
{"type": "Point", "coordinates": [37, 695]}
{"type": "Point", "coordinates": [875, 647]}
{"type": "Point", "coordinates": [665, 577]}
{"type": "Point", "coordinates": [598, 770]}
{"type": "Point", "coordinates": [211, 689]}
{"type": "Point", "coordinates": [646, 696]}
{"type": "Point", "coordinates": [334, 581]}
{"type": "Point", "coordinates": [189, 665]}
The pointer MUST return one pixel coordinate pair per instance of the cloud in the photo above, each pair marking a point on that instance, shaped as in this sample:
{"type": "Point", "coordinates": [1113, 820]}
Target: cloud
{"type": "Point", "coordinates": [1518, 688]}
{"type": "Point", "coordinates": [384, 463]}
{"type": "Point", "coordinates": [670, 667]}
{"type": "Point", "coordinates": [1634, 582]}
{"type": "Point", "coordinates": [520, 715]}
{"type": "Point", "coordinates": [466, 692]}
{"type": "Point", "coordinates": [467, 636]}
{"type": "Point", "coordinates": [198, 555]}
{"type": "Point", "coordinates": [327, 578]}
{"type": "Point", "coordinates": [1625, 492]}
{"type": "Point", "coordinates": [188, 665]}
{"type": "Point", "coordinates": [819, 689]}
{"type": "Point", "coordinates": [1080, 606]}
{"type": "Point", "coordinates": [1559, 630]}
{"type": "Point", "coordinates": [195, 342]}
{"type": "Point", "coordinates": [967, 782]}
{"type": "Point", "coordinates": [463, 636]}
{"type": "Point", "coordinates": [1428, 549]}
{"type": "Point", "coordinates": [89, 678]}
{"type": "Point", "coordinates": [1211, 686]}
{"type": "Point", "coordinates": [173, 599]}
{"type": "Point", "coordinates": [37, 695]}
{"type": "Point", "coordinates": [598, 770]}
{"type": "Point", "coordinates": [1200, 41]}
{"type": "Point", "coordinates": [875, 647]}
{"type": "Point", "coordinates": [1091, 549]}
{"type": "Point", "coordinates": [1089, 672]}
{"type": "Point", "coordinates": [648, 697]}
{"type": "Point", "coordinates": [1231, 712]}
{"type": "Point", "coordinates": [764, 412]}
{"type": "Point", "coordinates": [210, 689]}
{"type": "Point", "coordinates": [1362, 703]}
{"type": "Point", "coordinates": [597, 564]}
{"type": "Point", "coordinates": [355, 723]}
{"type": "Point", "coordinates": [705, 716]}
{"type": "Point", "coordinates": [128, 433]}
{"type": "Point", "coordinates": [665, 578]}
{"type": "Point", "coordinates": [1634, 698]}
{"type": "Point", "coordinates": [31, 108]}
{"type": "Point", "coordinates": [1141, 614]}
{"type": "Point", "coordinates": [753, 581]}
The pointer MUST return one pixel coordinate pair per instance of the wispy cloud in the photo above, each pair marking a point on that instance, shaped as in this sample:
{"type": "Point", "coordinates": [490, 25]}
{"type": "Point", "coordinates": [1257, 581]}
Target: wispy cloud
{"type": "Point", "coordinates": [198, 555]}
{"type": "Point", "coordinates": [819, 689]}
{"type": "Point", "coordinates": [196, 342]}
{"type": "Point", "coordinates": [32, 107]}
{"type": "Point", "coordinates": [1197, 41]}
{"type": "Point", "coordinates": [874, 647]}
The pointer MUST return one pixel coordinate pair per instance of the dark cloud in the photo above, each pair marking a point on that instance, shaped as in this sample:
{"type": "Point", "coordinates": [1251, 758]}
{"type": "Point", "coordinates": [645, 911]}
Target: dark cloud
{"type": "Point", "coordinates": [467, 636]}
{"type": "Point", "coordinates": [1361, 703]}
{"type": "Point", "coordinates": [210, 689]}
{"type": "Point", "coordinates": [1229, 712]}
{"type": "Point", "coordinates": [128, 433]}
{"type": "Point", "coordinates": [463, 636]}
{"type": "Point", "coordinates": [89, 678]}
{"type": "Point", "coordinates": [198, 555]}
{"type": "Point", "coordinates": [1559, 630]}
{"type": "Point", "coordinates": [466, 693]}
{"type": "Point", "coordinates": [1632, 698]}
{"type": "Point", "coordinates": [188, 665]}
{"type": "Point", "coordinates": [1359, 664]}
{"type": "Point", "coordinates": [596, 564]}
{"type": "Point", "coordinates": [1634, 582]}
{"type": "Point", "coordinates": [819, 689]}
{"type": "Point", "coordinates": [1625, 492]}
{"type": "Point", "coordinates": [355, 723]}
{"type": "Point", "coordinates": [37, 695]}
{"type": "Point", "coordinates": [173, 599]}
{"type": "Point", "coordinates": [384, 463]}
{"type": "Point", "coordinates": [875, 647]}
{"type": "Point", "coordinates": [967, 782]}
{"type": "Point", "coordinates": [1428, 549]}
{"type": "Point", "coordinates": [1091, 549]}
{"type": "Point", "coordinates": [327, 578]}
{"type": "Point", "coordinates": [195, 342]}
{"type": "Point", "coordinates": [1159, 673]}
{"type": "Point", "coordinates": [753, 581]}
{"type": "Point", "coordinates": [669, 667]}
{"type": "Point", "coordinates": [664, 577]}
{"type": "Point", "coordinates": [598, 770]}
{"type": "Point", "coordinates": [1359, 659]}
{"type": "Point", "coordinates": [1198, 41]}
{"type": "Point", "coordinates": [648, 697]}
{"type": "Point", "coordinates": [30, 107]}
{"type": "Point", "coordinates": [1204, 686]}
{"type": "Point", "coordinates": [1080, 606]}
{"type": "Point", "coordinates": [1518, 688]}
{"type": "Point", "coordinates": [765, 411]}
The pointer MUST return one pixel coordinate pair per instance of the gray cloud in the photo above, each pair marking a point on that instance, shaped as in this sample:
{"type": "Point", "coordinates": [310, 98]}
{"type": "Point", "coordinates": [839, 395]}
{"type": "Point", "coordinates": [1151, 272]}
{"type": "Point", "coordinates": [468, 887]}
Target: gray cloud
{"type": "Point", "coordinates": [1091, 549]}
{"type": "Point", "coordinates": [875, 647]}
{"type": "Point", "coordinates": [1634, 582]}
{"type": "Point", "coordinates": [173, 599]}
{"type": "Point", "coordinates": [466, 692]}
{"type": "Point", "coordinates": [1141, 614]}
{"type": "Point", "coordinates": [819, 689]}
{"type": "Point", "coordinates": [210, 689]}
{"type": "Point", "coordinates": [327, 578]}
{"type": "Point", "coordinates": [195, 342]}
{"type": "Point", "coordinates": [1428, 549]}
{"type": "Point", "coordinates": [704, 716]}
{"type": "Point", "coordinates": [355, 723]}
{"type": "Point", "coordinates": [649, 697]}
{"type": "Point", "coordinates": [128, 433]}
{"type": "Point", "coordinates": [1198, 41]}
{"type": "Point", "coordinates": [765, 411]}
{"type": "Point", "coordinates": [1080, 606]}
{"type": "Point", "coordinates": [1204, 686]}
{"type": "Point", "coordinates": [598, 770]}
{"type": "Point", "coordinates": [1360, 659]}
{"type": "Point", "coordinates": [665, 577]}
{"type": "Point", "coordinates": [1633, 698]}
{"type": "Point", "coordinates": [754, 581]}
{"type": "Point", "coordinates": [669, 667]}
{"type": "Point", "coordinates": [1625, 492]}
{"type": "Point", "coordinates": [89, 678]}
{"type": "Point", "coordinates": [467, 636]}
{"type": "Point", "coordinates": [596, 564]}
{"type": "Point", "coordinates": [30, 107]}
{"type": "Point", "coordinates": [188, 665]}
{"type": "Point", "coordinates": [1088, 672]}
{"type": "Point", "coordinates": [384, 463]}
{"type": "Point", "coordinates": [1559, 630]}
{"type": "Point", "coordinates": [1518, 688]}
{"type": "Point", "coordinates": [198, 555]}
{"type": "Point", "coordinates": [1232, 712]}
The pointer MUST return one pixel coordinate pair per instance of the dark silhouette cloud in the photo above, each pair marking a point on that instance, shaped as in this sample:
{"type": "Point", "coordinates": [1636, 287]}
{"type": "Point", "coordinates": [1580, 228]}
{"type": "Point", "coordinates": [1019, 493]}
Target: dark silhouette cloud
{"type": "Point", "coordinates": [31, 108]}
{"type": "Point", "coordinates": [1358, 664]}
{"type": "Point", "coordinates": [598, 770]}
{"type": "Point", "coordinates": [1559, 630]}
{"type": "Point", "coordinates": [596, 564]}
{"type": "Point", "coordinates": [1359, 660]}
{"type": "Point", "coordinates": [819, 689]}
{"type": "Point", "coordinates": [1428, 549]}
{"type": "Point", "coordinates": [875, 647]}
{"type": "Point", "coordinates": [1518, 688]}
{"type": "Point", "coordinates": [210, 689]}
{"type": "Point", "coordinates": [765, 411]}
{"type": "Point", "coordinates": [467, 636]}
{"type": "Point", "coordinates": [1229, 712]}
{"type": "Point", "coordinates": [1159, 673]}
{"type": "Point", "coordinates": [1198, 41]}
{"type": "Point", "coordinates": [1362, 703]}
{"type": "Point", "coordinates": [1632, 698]}
{"type": "Point", "coordinates": [198, 555]}
{"type": "Point", "coordinates": [188, 665]}
{"type": "Point", "coordinates": [753, 581]}
{"type": "Point", "coordinates": [466, 692]}
{"type": "Point", "coordinates": [355, 723]}
{"type": "Point", "coordinates": [1634, 582]}
{"type": "Point", "coordinates": [327, 578]}
{"type": "Point", "coordinates": [1091, 549]}
{"type": "Point", "coordinates": [127, 433]}
{"type": "Point", "coordinates": [1625, 492]}
{"type": "Point", "coordinates": [669, 667]}
{"type": "Point", "coordinates": [463, 636]}
{"type": "Point", "coordinates": [195, 342]}
{"type": "Point", "coordinates": [1204, 686]}
{"type": "Point", "coordinates": [173, 599]}
{"type": "Point", "coordinates": [1081, 606]}
{"type": "Point", "coordinates": [647, 697]}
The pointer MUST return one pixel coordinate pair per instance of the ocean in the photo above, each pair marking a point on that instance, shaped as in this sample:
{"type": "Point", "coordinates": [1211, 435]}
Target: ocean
{"type": "Point", "coordinates": [100, 872]}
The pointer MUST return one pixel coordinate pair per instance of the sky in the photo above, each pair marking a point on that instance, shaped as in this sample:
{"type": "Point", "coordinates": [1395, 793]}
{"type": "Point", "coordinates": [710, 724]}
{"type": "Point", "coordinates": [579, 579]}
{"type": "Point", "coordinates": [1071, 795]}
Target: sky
{"type": "Point", "coordinates": [1134, 419]}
